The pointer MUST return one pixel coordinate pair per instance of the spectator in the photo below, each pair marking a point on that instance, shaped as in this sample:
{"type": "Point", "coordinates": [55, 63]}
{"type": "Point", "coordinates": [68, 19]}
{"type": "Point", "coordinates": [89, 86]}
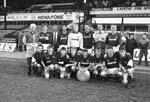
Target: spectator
{"type": "Point", "coordinates": [114, 3]}
{"type": "Point", "coordinates": [31, 42]}
{"type": "Point", "coordinates": [133, 3]}
{"type": "Point", "coordinates": [120, 3]}
{"type": "Point", "coordinates": [125, 37]}
{"type": "Point", "coordinates": [105, 3]}
{"type": "Point", "coordinates": [24, 41]}
{"type": "Point", "coordinates": [100, 5]}
{"type": "Point", "coordinates": [96, 3]}
{"type": "Point", "coordinates": [131, 44]}
{"type": "Point", "coordinates": [20, 41]}
{"type": "Point", "coordinates": [128, 3]}
{"type": "Point", "coordinates": [144, 3]}
{"type": "Point", "coordinates": [138, 2]}
{"type": "Point", "coordinates": [143, 45]}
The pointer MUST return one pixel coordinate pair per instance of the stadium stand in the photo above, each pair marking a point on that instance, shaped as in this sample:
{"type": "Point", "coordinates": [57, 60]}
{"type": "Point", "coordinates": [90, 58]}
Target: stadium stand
{"type": "Point", "coordinates": [118, 3]}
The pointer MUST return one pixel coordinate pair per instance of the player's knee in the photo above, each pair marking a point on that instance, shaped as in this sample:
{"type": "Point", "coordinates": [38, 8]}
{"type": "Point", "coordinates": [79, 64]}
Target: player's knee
{"type": "Point", "coordinates": [56, 66]}
{"type": "Point", "coordinates": [103, 73]}
{"type": "Point", "coordinates": [119, 73]}
{"type": "Point", "coordinates": [95, 72]}
{"type": "Point", "coordinates": [130, 71]}
{"type": "Point", "coordinates": [47, 75]}
{"type": "Point", "coordinates": [125, 79]}
{"type": "Point", "coordinates": [52, 67]}
{"type": "Point", "coordinates": [62, 74]}
{"type": "Point", "coordinates": [73, 68]}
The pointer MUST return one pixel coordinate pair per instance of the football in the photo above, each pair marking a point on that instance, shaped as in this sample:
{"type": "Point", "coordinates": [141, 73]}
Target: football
{"type": "Point", "coordinates": [83, 75]}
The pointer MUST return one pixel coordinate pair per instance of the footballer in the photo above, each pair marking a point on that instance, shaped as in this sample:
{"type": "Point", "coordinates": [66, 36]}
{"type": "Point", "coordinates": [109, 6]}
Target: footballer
{"type": "Point", "coordinates": [62, 60]}
{"type": "Point", "coordinates": [73, 62]}
{"type": "Point", "coordinates": [114, 39]}
{"type": "Point", "coordinates": [126, 64]}
{"type": "Point", "coordinates": [112, 64]}
{"type": "Point", "coordinates": [36, 61]}
{"type": "Point", "coordinates": [75, 38]}
{"type": "Point", "coordinates": [98, 62]}
{"type": "Point", "coordinates": [44, 35]}
{"type": "Point", "coordinates": [85, 61]}
{"type": "Point", "coordinates": [48, 61]}
{"type": "Point", "coordinates": [88, 39]}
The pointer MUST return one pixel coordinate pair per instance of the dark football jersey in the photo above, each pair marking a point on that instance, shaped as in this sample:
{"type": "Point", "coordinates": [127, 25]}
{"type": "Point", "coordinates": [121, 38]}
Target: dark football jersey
{"type": "Point", "coordinates": [49, 59]}
{"type": "Point", "coordinates": [38, 56]}
{"type": "Point", "coordinates": [63, 39]}
{"type": "Point", "coordinates": [113, 39]}
{"type": "Point", "coordinates": [87, 40]}
{"type": "Point", "coordinates": [44, 37]}
{"type": "Point", "coordinates": [85, 61]}
{"type": "Point", "coordinates": [64, 59]}
{"type": "Point", "coordinates": [73, 59]}
{"type": "Point", "coordinates": [98, 59]}
{"type": "Point", "coordinates": [125, 60]}
{"type": "Point", "coordinates": [113, 61]}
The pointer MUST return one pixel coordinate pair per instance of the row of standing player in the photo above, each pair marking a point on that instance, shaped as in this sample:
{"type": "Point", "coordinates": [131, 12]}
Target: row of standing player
{"type": "Point", "coordinates": [67, 64]}
{"type": "Point", "coordinates": [92, 37]}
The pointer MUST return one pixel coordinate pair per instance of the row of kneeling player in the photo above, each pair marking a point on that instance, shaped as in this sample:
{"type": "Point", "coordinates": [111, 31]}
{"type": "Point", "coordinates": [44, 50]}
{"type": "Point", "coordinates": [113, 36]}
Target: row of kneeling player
{"type": "Point", "coordinates": [63, 64]}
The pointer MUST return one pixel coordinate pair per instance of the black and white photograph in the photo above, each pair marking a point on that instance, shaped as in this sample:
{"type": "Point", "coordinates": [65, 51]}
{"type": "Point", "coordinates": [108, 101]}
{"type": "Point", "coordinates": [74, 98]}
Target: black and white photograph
{"type": "Point", "coordinates": [74, 50]}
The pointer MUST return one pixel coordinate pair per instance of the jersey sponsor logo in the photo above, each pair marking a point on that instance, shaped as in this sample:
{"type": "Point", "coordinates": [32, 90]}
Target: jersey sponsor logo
{"type": "Point", "coordinates": [112, 39]}
{"type": "Point", "coordinates": [49, 61]}
{"type": "Point", "coordinates": [110, 63]}
{"type": "Point", "coordinates": [84, 63]}
{"type": "Point", "coordinates": [87, 36]}
{"type": "Point", "coordinates": [75, 39]}
{"type": "Point", "coordinates": [63, 38]}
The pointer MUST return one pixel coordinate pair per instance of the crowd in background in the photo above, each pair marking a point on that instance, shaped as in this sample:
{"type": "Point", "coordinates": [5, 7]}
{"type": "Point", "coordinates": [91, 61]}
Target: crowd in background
{"type": "Point", "coordinates": [118, 3]}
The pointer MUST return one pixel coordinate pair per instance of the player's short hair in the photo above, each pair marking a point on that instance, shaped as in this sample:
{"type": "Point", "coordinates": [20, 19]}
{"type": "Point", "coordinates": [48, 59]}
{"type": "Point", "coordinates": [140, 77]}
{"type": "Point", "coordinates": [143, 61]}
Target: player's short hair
{"type": "Point", "coordinates": [50, 46]}
{"type": "Point", "coordinates": [98, 49]}
{"type": "Point", "coordinates": [109, 47]}
{"type": "Point", "coordinates": [73, 48]}
{"type": "Point", "coordinates": [87, 24]}
{"type": "Point", "coordinates": [84, 50]}
{"type": "Point", "coordinates": [144, 34]}
{"type": "Point", "coordinates": [40, 45]}
{"type": "Point", "coordinates": [45, 24]}
{"type": "Point", "coordinates": [131, 34]}
{"type": "Point", "coordinates": [75, 25]}
{"type": "Point", "coordinates": [100, 25]}
{"type": "Point", "coordinates": [32, 25]}
{"type": "Point", "coordinates": [94, 26]}
{"type": "Point", "coordinates": [122, 48]}
{"type": "Point", "coordinates": [113, 26]}
{"type": "Point", "coordinates": [64, 26]}
{"type": "Point", "coordinates": [63, 48]}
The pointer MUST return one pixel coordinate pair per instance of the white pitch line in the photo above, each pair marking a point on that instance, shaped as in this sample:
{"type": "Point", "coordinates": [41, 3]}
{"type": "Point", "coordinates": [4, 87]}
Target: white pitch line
{"type": "Point", "coordinates": [10, 59]}
{"type": "Point", "coordinates": [142, 72]}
